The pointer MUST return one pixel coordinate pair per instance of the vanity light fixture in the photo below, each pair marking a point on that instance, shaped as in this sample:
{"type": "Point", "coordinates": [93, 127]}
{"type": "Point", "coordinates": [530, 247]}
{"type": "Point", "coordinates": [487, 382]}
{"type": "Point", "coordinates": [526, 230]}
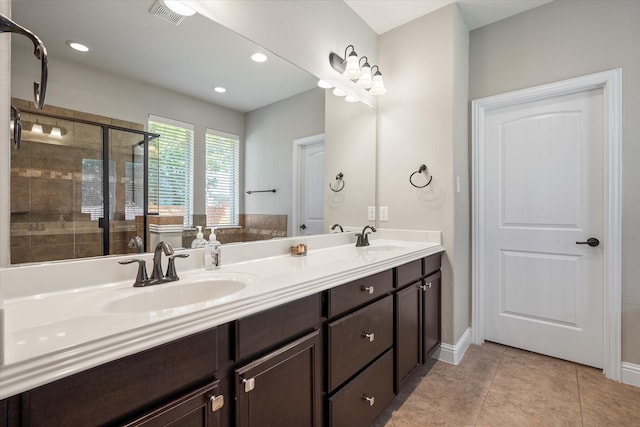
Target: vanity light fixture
{"type": "Point", "coordinates": [339, 92]}
{"type": "Point", "coordinates": [378, 85]}
{"type": "Point", "coordinates": [259, 57]}
{"type": "Point", "coordinates": [358, 70]}
{"type": "Point", "coordinates": [177, 6]}
{"type": "Point", "coordinates": [36, 128]}
{"type": "Point", "coordinates": [56, 132]}
{"type": "Point", "coordinates": [324, 85]}
{"type": "Point", "coordinates": [77, 46]}
{"type": "Point", "coordinates": [220, 89]}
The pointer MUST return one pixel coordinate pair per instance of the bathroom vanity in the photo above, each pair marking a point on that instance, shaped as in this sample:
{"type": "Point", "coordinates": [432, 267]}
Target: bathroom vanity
{"type": "Point", "coordinates": [333, 356]}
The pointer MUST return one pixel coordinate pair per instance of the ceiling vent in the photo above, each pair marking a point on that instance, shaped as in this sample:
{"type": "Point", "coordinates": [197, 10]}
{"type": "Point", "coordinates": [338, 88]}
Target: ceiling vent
{"type": "Point", "coordinates": [161, 11]}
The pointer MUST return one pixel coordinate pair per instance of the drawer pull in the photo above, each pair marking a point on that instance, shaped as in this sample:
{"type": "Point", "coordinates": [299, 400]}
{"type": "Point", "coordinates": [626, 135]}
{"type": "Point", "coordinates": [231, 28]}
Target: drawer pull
{"type": "Point", "coordinates": [217, 402]}
{"type": "Point", "coordinates": [429, 285]}
{"type": "Point", "coordinates": [371, 336]}
{"type": "Point", "coordinates": [249, 384]}
{"type": "Point", "coordinates": [368, 289]}
{"type": "Point", "coordinates": [371, 399]}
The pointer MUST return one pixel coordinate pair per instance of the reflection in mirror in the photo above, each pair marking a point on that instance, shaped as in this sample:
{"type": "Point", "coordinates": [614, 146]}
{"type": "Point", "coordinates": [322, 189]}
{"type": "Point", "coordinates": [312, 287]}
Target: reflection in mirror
{"type": "Point", "coordinates": [139, 65]}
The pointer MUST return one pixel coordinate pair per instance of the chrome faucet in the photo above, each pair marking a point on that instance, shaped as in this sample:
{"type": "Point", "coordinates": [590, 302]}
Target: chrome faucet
{"type": "Point", "coordinates": [334, 226]}
{"type": "Point", "coordinates": [363, 238]}
{"type": "Point", "coordinates": [156, 276]}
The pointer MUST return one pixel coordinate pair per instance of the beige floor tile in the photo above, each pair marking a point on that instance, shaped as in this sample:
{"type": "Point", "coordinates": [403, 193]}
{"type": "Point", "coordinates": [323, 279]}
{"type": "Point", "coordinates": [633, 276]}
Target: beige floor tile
{"type": "Point", "coordinates": [606, 402]}
{"type": "Point", "coordinates": [500, 410]}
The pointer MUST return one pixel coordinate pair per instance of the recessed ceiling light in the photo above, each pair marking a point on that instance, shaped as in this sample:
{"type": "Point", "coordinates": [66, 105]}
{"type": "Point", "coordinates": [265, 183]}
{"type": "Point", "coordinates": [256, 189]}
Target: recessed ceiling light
{"type": "Point", "coordinates": [179, 7]}
{"type": "Point", "coordinates": [324, 85]}
{"type": "Point", "coordinates": [220, 89]}
{"type": "Point", "coordinates": [259, 57]}
{"type": "Point", "coordinates": [77, 46]}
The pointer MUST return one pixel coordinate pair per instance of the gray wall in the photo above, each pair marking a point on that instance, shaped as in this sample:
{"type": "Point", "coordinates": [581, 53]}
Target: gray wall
{"type": "Point", "coordinates": [566, 39]}
{"type": "Point", "coordinates": [423, 119]}
{"type": "Point", "coordinates": [270, 132]}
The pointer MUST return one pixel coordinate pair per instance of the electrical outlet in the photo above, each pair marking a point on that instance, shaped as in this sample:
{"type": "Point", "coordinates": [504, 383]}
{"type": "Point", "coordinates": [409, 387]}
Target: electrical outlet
{"type": "Point", "coordinates": [371, 216]}
{"type": "Point", "coordinates": [384, 213]}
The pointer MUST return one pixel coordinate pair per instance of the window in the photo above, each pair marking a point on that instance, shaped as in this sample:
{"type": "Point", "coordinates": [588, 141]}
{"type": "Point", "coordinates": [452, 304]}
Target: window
{"type": "Point", "coordinates": [222, 176]}
{"type": "Point", "coordinates": [171, 169]}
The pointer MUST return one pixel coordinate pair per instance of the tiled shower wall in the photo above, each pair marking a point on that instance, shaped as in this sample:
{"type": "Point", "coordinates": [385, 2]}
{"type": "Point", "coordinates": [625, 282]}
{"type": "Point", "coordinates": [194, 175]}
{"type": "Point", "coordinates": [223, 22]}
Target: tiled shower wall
{"type": "Point", "coordinates": [47, 222]}
{"type": "Point", "coordinates": [252, 227]}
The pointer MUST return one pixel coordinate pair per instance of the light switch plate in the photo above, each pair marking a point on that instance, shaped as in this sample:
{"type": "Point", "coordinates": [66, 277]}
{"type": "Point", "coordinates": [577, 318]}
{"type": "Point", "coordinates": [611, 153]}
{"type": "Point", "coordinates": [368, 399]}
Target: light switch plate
{"type": "Point", "coordinates": [371, 216]}
{"type": "Point", "coordinates": [384, 213]}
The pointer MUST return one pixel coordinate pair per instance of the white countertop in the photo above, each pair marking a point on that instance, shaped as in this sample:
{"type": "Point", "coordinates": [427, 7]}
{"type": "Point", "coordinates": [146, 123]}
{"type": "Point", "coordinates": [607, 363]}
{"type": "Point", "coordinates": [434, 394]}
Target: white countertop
{"type": "Point", "coordinates": [55, 328]}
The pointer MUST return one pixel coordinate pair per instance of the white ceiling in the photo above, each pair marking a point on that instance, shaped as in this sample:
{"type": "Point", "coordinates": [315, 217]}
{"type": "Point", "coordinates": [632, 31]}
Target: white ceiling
{"type": "Point", "coordinates": [199, 54]}
{"type": "Point", "coordinates": [385, 15]}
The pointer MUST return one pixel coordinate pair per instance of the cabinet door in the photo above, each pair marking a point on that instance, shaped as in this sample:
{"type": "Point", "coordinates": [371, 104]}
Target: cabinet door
{"type": "Point", "coordinates": [200, 408]}
{"type": "Point", "coordinates": [431, 314]}
{"type": "Point", "coordinates": [408, 331]}
{"type": "Point", "coordinates": [283, 388]}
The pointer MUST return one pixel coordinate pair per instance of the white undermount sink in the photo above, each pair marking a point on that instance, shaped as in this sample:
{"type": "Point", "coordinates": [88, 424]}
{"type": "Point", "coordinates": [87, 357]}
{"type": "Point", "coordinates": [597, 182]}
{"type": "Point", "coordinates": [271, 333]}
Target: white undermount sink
{"type": "Point", "coordinates": [385, 247]}
{"type": "Point", "coordinates": [173, 295]}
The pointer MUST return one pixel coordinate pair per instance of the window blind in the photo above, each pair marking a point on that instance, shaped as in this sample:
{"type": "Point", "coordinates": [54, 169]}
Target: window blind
{"type": "Point", "coordinates": [171, 169]}
{"type": "Point", "coordinates": [222, 179]}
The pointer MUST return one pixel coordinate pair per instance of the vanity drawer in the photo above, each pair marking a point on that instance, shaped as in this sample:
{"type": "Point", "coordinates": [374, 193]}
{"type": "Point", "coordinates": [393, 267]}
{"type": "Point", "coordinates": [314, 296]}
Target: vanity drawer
{"type": "Point", "coordinates": [358, 292]}
{"type": "Point", "coordinates": [274, 326]}
{"type": "Point", "coordinates": [432, 263]}
{"type": "Point", "coordinates": [357, 339]}
{"type": "Point", "coordinates": [408, 273]}
{"type": "Point", "coordinates": [349, 406]}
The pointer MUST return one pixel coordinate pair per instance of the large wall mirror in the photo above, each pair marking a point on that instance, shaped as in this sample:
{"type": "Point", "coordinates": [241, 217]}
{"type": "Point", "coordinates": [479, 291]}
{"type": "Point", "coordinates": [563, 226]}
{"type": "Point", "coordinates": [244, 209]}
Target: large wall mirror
{"type": "Point", "coordinates": [141, 65]}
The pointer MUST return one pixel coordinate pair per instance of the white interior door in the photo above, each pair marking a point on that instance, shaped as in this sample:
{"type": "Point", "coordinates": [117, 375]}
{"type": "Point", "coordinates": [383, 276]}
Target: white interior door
{"type": "Point", "coordinates": [544, 192]}
{"type": "Point", "coordinates": [311, 189]}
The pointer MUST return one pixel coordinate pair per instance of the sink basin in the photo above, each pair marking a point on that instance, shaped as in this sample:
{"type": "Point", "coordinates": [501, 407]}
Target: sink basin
{"type": "Point", "coordinates": [172, 295]}
{"type": "Point", "coordinates": [384, 247]}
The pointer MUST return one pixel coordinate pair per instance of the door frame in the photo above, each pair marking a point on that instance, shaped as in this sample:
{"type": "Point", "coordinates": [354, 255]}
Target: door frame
{"type": "Point", "coordinates": [611, 84]}
{"type": "Point", "coordinates": [298, 145]}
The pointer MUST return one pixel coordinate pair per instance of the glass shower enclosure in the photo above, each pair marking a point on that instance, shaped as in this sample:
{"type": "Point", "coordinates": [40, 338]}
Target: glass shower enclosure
{"type": "Point", "coordinates": [78, 188]}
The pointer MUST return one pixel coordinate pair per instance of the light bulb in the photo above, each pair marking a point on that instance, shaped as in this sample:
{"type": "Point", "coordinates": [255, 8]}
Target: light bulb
{"type": "Point", "coordinates": [378, 85]}
{"type": "Point", "coordinates": [365, 80]}
{"type": "Point", "coordinates": [352, 69]}
{"type": "Point", "coordinates": [351, 98]}
{"type": "Point", "coordinates": [56, 132]}
{"type": "Point", "coordinates": [36, 128]}
{"type": "Point", "coordinates": [324, 85]}
{"type": "Point", "coordinates": [338, 92]}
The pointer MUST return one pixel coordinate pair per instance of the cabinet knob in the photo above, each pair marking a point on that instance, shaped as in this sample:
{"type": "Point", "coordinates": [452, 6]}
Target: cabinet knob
{"type": "Point", "coordinates": [217, 402]}
{"type": "Point", "coordinates": [368, 289]}
{"type": "Point", "coordinates": [371, 399]}
{"type": "Point", "coordinates": [371, 336]}
{"type": "Point", "coordinates": [423, 287]}
{"type": "Point", "coordinates": [249, 384]}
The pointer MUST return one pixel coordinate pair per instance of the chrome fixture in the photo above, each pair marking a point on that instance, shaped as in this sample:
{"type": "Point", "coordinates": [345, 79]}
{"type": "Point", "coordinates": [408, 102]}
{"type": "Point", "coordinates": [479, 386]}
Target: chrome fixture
{"type": "Point", "coordinates": [156, 276]}
{"type": "Point", "coordinates": [358, 70]}
{"type": "Point", "coordinates": [421, 169]}
{"type": "Point", "coordinates": [334, 226]}
{"type": "Point", "coordinates": [339, 183]}
{"type": "Point", "coordinates": [16, 126]}
{"type": "Point", "coordinates": [39, 51]}
{"type": "Point", "coordinates": [363, 238]}
{"type": "Point", "coordinates": [137, 243]}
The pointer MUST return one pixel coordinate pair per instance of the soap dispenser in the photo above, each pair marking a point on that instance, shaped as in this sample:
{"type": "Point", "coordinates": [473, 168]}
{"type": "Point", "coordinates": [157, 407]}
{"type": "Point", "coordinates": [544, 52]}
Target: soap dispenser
{"type": "Point", "coordinates": [212, 254]}
{"type": "Point", "coordinates": [199, 241]}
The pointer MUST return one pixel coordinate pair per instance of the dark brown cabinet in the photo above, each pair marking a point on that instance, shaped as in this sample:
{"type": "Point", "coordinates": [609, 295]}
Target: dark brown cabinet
{"type": "Point", "coordinates": [417, 316]}
{"type": "Point", "coordinates": [282, 388]}
{"type": "Point", "coordinates": [200, 408]}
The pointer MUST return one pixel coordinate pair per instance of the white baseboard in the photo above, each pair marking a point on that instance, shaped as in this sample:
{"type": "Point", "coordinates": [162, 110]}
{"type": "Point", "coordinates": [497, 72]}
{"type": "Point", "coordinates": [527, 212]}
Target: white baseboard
{"type": "Point", "coordinates": [453, 353]}
{"type": "Point", "coordinates": [631, 374]}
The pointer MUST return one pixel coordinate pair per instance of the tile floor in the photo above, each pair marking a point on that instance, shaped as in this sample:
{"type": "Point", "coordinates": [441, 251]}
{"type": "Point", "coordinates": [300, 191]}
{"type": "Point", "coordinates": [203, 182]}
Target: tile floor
{"type": "Point", "coordinates": [496, 385]}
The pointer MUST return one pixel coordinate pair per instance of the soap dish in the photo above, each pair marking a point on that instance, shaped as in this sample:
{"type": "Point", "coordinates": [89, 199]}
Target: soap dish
{"type": "Point", "coordinates": [298, 250]}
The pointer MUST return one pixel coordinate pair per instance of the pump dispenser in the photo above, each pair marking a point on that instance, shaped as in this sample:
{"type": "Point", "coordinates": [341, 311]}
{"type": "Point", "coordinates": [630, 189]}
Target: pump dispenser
{"type": "Point", "coordinates": [212, 253]}
{"type": "Point", "coordinates": [199, 241]}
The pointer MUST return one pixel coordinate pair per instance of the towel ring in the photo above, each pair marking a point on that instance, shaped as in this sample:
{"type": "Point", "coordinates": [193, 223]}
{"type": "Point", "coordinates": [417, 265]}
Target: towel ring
{"type": "Point", "coordinates": [339, 181]}
{"type": "Point", "coordinates": [422, 168]}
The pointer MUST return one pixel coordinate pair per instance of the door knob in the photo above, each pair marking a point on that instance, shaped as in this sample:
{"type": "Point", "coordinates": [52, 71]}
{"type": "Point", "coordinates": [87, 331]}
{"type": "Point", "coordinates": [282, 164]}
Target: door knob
{"type": "Point", "coordinates": [591, 241]}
